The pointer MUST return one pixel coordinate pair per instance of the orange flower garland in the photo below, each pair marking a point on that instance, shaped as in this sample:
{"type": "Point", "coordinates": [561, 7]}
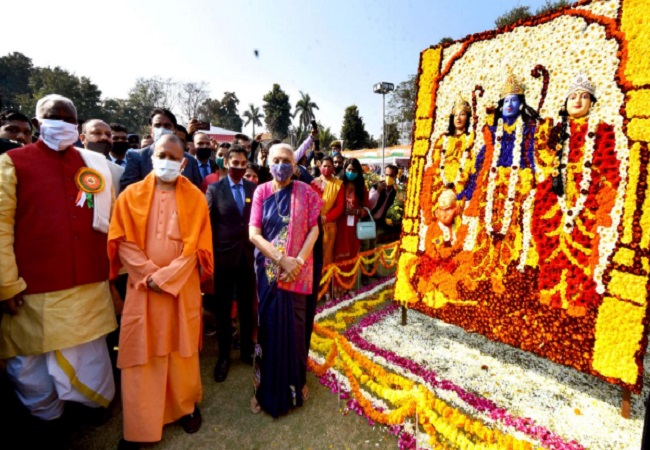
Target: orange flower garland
{"type": "Point", "coordinates": [409, 399]}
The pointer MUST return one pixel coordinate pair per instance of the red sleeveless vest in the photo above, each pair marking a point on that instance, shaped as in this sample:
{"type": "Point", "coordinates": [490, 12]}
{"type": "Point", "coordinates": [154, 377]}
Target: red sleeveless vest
{"type": "Point", "coordinates": [55, 245]}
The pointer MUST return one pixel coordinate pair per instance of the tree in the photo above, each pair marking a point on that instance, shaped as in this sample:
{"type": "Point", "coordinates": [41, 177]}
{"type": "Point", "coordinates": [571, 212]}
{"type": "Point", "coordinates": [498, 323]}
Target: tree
{"type": "Point", "coordinates": [305, 110]}
{"type": "Point", "coordinates": [372, 143]}
{"type": "Point", "coordinates": [15, 71]}
{"type": "Point", "coordinates": [401, 103]}
{"type": "Point", "coordinates": [392, 134]}
{"type": "Point", "coordinates": [43, 81]}
{"type": "Point", "coordinates": [513, 15]}
{"type": "Point", "coordinates": [354, 132]}
{"type": "Point", "coordinates": [119, 110]}
{"type": "Point", "coordinates": [301, 134]}
{"type": "Point", "coordinates": [229, 113]}
{"type": "Point", "coordinates": [277, 110]}
{"type": "Point", "coordinates": [191, 96]}
{"type": "Point", "coordinates": [325, 136]}
{"type": "Point", "coordinates": [253, 115]}
{"type": "Point", "coordinates": [551, 5]}
{"type": "Point", "coordinates": [223, 113]}
{"type": "Point", "coordinates": [150, 93]}
{"type": "Point", "coordinates": [445, 40]}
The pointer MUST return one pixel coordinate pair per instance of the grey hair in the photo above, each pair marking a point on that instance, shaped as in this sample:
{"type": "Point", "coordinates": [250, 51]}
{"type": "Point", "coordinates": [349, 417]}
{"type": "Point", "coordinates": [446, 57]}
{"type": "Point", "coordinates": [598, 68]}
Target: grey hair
{"type": "Point", "coordinates": [52, 98]}
{"type": "Point", "coordinates": [282, 146]}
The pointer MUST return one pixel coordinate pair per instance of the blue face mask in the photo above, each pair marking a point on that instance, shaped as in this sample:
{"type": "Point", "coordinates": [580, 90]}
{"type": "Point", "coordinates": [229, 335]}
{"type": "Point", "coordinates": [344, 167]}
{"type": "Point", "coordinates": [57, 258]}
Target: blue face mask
{"type": "Point", "coordinates": [219, 161]}
{"type": "Point", "coordinates": [511, 105]}
{"type": "Point", "coordinates": [351, 176]}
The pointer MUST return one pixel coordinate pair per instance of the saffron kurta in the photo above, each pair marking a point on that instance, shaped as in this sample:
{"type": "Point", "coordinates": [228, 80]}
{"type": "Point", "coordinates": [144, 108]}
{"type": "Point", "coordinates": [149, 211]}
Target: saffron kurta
{"type": "Point", "coordinates": [333, 206]}
{"type": "Point", "coordinates": [160, 336]}
{"type": "Point", "coordinates": [347, 243]}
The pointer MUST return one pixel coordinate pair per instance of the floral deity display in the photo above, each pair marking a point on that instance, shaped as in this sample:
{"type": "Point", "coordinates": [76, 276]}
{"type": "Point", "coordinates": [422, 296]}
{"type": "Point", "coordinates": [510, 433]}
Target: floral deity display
{"type": "Point", "coordinates": [540, 132]}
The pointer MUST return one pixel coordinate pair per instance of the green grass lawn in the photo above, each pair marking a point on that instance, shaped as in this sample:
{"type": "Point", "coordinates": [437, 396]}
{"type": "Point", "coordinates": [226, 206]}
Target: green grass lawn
{"type": "Point", "coordinates": [229, 424]}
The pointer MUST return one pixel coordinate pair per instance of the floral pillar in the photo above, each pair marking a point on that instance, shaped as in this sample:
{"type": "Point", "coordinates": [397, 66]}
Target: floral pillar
{"type": "Point", "coordinates": [619, 342]}
{"type": "Point", "coordinates": [427, 87]}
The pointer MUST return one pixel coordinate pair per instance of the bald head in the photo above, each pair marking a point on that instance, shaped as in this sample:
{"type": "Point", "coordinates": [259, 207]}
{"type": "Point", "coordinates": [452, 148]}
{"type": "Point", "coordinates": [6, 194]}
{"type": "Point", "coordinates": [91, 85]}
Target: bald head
{"type": "Point", "coordinates": [447, 198]}
{"type": "Point", "coordinates": [96, 135]}
{"type": "Point", "coordinates": [202, 140]}
{"type": "Point", "coordinates": [169, 146]}
{"type": "Point", "coordinates": [94, 123]}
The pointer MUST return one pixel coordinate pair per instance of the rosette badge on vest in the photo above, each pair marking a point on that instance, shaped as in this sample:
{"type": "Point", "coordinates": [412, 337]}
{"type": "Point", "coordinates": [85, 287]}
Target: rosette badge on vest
{"type": "Point", "coordinates": [89, 182]}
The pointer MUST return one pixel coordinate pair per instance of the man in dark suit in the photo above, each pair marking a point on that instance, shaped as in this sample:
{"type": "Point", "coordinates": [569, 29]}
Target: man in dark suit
{"type": "Point", "coordinates": [203, 148]}
{"type": "Point", "coordinates": [138, 162]}
{"type": "Point", "coordinates": [229, 201]}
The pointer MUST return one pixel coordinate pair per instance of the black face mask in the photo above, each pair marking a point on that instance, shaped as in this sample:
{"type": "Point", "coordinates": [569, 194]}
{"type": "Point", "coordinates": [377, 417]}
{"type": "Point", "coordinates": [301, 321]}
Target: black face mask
{"type": "Point", "coordinates": [120, 149]}
{"type": "Point", "coordinates": [102, 147]}
{"type": "Point", "coordinates": [203, 153]}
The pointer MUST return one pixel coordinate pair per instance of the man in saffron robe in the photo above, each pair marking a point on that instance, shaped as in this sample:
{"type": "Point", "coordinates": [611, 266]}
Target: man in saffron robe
{"type": "Point", "coordinates": [160, 232]}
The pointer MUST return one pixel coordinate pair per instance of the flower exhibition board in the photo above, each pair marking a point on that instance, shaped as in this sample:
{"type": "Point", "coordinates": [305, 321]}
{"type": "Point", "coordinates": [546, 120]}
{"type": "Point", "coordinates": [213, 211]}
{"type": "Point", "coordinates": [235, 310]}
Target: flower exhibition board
{"type": "Point", "coordinates": [527, 217]}
{"type": "Point", "coordinates": [462, 390]}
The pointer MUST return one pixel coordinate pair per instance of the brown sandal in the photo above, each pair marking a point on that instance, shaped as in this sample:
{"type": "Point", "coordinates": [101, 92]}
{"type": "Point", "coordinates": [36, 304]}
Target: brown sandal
{"type": "Point", "coordinates": [305, 393]}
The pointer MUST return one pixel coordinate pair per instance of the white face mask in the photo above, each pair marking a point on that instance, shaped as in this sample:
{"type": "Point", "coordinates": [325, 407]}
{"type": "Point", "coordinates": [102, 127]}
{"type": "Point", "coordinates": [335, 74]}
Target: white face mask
{"type": "Point", "coordinates": [160, 132]}
{"type": "Point", "coordinates": [57, 134]}
{"type": "Point", "coordinates": [166, 169]}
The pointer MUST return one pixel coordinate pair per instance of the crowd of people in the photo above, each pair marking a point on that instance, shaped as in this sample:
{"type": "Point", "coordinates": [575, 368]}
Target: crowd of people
{"type": "Point", "coordinates": [109, 237]}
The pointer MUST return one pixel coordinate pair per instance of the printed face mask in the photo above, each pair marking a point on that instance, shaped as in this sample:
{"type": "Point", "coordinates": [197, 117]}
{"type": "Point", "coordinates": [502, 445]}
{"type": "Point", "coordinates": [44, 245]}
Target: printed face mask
{"type": "Point", "coordinates": [57, 134]}
{"type": "Point", "coordinates": [166, 169]}
{"type": "Point", "coordinates": [281, 172]}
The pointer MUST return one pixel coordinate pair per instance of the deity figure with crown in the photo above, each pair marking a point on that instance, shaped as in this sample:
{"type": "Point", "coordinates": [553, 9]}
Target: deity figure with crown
{"type": "Point", "coordinates": [502, 181]}
{"type": "Point", "coordinates": [577, 184]}
{"type": "Point", "coordinates": [451, 158]}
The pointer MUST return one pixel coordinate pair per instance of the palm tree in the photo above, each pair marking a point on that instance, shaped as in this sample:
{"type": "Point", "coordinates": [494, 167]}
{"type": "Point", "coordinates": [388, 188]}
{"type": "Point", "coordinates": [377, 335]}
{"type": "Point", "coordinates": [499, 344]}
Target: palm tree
{"type": "Point", "coordinates": [305, 110]}
{"type": "Point", "coordinates": [253, 115]}
{"type": "Point", "coordinates": [326, 136]}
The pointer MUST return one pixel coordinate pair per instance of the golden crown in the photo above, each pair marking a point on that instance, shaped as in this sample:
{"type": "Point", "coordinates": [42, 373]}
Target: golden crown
{"type": "Point", "coordinates": [512, 85]}
{"type": "Point", "coordinates": [461, 104]}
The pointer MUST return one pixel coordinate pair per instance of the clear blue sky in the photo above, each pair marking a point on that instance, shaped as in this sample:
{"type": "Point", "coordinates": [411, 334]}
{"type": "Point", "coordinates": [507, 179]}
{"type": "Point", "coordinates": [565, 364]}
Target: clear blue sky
{"type": "Point", "coordinates": [333, 50]}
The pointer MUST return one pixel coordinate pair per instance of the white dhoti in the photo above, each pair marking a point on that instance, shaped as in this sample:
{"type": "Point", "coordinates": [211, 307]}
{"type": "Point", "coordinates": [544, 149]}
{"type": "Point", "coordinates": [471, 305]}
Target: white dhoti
{"type": "Point", "coordinates": [80, 374]}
